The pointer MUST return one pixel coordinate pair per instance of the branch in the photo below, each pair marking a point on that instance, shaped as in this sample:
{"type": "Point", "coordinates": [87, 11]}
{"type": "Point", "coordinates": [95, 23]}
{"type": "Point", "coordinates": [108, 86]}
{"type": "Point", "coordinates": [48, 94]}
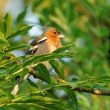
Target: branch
{"type": "Point", "coordinates": [93, 91]}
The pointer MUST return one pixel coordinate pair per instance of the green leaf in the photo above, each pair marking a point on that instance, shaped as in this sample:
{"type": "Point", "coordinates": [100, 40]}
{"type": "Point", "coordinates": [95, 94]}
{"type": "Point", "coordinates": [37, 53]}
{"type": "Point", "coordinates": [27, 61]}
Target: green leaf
{"type": "Point", "coordinates": [4, 70]}
{"type": "Point", "coordinates": [20, 31]}
{"type": "Point", "coordinates": [45, 103]}
{"type": "Point", "coordinates": [15, 70]}
{"type": "Point", "coordinates": [5, 97]}
{"type": "Point", "coordinates": [103, 31]}
{"type": "Point", "coordinates": [21, 16]}
{"type": "Point", "coordinates": [69, 11]}
{"type": "Point", "coordinates": [58, 68]}
{"type": "Point", "coordinates": [46, 57]}
{"type": "Point", "coordinates": [3, 43]}
{"type": "Point", "coordinates": [24, 88]}
{"type": "Point", "coordinates": [9, 25]}
{"type": "Point", "coordinates": [3, 100]}
{"type": "Point", "coordinates": [43, 73]}
{"type": "Point", "coordinates": [11, 48]}
{"type": "Point", "coordinates": [72, 99]}
{"type": "Point", "coordinates": [64, 48]}
{"type": "Point", "coordinates": [73, 83]}
{"type": "Point", "coordinates": [32, 83]}
{"type": "Point", "coordinates": [2, 35]}
{"type": "Point", "coordinates": [3, 54]}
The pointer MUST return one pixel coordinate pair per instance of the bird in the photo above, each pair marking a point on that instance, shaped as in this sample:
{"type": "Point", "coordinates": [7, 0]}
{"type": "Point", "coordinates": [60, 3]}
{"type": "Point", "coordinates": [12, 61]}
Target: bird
{"type": "Point", "coordinates": [49, 41]}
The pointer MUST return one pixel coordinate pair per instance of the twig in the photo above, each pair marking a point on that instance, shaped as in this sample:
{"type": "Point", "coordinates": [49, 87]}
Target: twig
{"type": "Point", "coordinates": [93, 91]}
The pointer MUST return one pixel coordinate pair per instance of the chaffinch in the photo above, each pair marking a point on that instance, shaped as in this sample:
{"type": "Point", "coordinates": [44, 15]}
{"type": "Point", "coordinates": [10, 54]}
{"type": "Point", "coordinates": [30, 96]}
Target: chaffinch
{"type": "Point", "coordinates": [48, 42]}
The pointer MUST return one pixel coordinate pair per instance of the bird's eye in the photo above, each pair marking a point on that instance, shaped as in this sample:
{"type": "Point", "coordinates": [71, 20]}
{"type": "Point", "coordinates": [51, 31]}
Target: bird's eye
{"type": "Point", "coordinates": [55, 32]}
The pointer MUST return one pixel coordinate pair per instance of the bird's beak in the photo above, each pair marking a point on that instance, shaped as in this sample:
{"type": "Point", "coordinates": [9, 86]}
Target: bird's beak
{"type": "Point", "coordinates": [61, 36]}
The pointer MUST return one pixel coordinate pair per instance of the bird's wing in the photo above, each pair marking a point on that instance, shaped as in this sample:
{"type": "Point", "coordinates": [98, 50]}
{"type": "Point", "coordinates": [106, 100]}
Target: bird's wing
{"type": "Point", "coordinates": [35, 43]}
{"type": "Point", "coordinates": [38, 40]}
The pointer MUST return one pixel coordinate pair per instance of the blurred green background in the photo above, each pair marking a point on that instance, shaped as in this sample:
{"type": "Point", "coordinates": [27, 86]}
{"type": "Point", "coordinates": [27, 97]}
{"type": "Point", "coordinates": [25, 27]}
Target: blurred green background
{"type": "Point", "coordinates": [85, 23]}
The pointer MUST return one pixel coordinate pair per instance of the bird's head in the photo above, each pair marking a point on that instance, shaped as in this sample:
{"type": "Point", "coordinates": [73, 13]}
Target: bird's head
{"type": "Point", "coordinates": [53, 35]}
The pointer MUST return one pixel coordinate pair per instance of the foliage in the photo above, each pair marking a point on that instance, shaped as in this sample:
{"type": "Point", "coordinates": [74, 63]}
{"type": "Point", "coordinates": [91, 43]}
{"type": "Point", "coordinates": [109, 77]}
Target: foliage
{"type": "Point", "coordinates": [86, 24]}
